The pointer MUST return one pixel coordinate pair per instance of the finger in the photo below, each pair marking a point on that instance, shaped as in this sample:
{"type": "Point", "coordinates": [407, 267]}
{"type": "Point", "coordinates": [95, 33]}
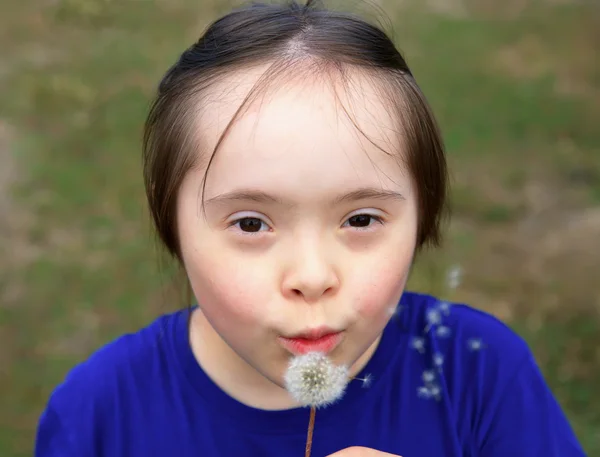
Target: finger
{"type": "Point", "coordinates": [359, 451]}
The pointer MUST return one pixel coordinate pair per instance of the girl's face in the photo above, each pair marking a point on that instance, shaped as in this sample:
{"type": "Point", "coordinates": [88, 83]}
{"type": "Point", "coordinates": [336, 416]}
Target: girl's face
{"type": "Point", "coordinates": [308, 224]}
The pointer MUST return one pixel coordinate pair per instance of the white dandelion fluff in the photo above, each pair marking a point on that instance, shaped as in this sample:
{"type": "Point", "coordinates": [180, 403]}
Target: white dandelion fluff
{"type": "Point", "coordinates": [454, 276]}
{"type": "Point", "coordinates": [418, 344]}
{"type": "Point", "coordinates": [428, 376]}
{"type": "Point", "coordinates": [475, 344]}
{"type": "Point", "coordinates": [435, 392]}
{"type": "Point", "coordinates": [423, 392]}
{"type": "Point", "coordinates": [438, 359]}
{"type": "Point", "coordinates": [367, 380]}
{"type": "Point", "coordinates": [313, 380]}
{"type": "Point", "coordinates": [433, 317]}
{"type": "Point", "coordinates": [442, 331]}
{"type": "Point", "coordinates": [444, 307]}
{"type": "Point", "coordinates": [394, 311]}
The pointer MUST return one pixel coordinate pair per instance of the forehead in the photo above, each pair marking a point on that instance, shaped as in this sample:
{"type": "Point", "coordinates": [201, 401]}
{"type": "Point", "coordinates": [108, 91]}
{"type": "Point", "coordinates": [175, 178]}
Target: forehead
{"type": "Point", "coordinates": [321, 132]}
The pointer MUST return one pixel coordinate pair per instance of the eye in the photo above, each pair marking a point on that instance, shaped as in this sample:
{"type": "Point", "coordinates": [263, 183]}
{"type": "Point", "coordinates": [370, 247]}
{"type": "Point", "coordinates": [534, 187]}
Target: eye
{"type": "Point", "coordinates": [250, 224]}
{"type": "Point", "coordinates": [362, 221]}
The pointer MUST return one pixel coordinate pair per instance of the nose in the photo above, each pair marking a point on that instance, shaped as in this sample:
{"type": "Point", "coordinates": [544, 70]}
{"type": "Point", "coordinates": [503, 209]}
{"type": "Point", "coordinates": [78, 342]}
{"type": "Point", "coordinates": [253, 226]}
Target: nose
{"type": "Point", "coordinates": [311, 274]}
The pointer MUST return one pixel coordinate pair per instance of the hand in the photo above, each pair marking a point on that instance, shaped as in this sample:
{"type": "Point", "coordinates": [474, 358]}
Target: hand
{"type": "Point", "coordinates": [357, 451]}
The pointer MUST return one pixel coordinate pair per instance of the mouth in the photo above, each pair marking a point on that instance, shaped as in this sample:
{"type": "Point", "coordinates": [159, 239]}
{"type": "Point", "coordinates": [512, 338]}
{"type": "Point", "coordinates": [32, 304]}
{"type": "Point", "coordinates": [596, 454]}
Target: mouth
{"type": "Point", "coordinates": [321, 339]}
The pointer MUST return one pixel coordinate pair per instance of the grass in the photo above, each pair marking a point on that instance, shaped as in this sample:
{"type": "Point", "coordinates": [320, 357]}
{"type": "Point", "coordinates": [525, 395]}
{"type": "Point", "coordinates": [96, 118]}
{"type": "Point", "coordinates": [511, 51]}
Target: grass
{"type": "Point", "coordinates": [518, 100]}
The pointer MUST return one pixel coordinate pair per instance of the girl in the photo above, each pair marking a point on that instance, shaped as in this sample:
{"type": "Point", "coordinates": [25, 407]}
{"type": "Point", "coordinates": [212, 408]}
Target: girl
{"type": "Point", "coordinates": [293, 167]}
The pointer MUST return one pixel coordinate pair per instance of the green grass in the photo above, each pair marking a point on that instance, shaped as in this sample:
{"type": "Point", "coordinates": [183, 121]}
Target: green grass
{"type": "Point", "coordinates": [518, 102]}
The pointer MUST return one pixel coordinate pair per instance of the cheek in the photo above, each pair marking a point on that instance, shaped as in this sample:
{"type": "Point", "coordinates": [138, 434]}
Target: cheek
{"type": "Point", "coordinates": [379, 295]}
{"type": "Point", "coordinates": [379, 290]}
{"type": "Point", "coordinates": [227, 291]}
{"type": "Point", "coordinates": [231, 293]}
{"type": "Point", "coordinates": [387, 274]}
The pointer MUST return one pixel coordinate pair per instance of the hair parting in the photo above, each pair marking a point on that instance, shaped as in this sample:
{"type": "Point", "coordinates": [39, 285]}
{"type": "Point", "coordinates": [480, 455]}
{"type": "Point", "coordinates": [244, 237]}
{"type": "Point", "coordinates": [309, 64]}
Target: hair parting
{"type": "Point", "coordinates": [296, 43]}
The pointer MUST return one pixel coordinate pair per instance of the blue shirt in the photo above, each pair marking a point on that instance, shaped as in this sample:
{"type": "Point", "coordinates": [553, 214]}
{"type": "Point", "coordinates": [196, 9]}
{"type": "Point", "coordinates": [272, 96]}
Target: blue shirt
{"type": "Point", "coordinates": [445, 381]}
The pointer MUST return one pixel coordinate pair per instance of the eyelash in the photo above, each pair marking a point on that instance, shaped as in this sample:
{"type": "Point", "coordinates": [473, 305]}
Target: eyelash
{"type": "Point", "coordinates": [374, 218]}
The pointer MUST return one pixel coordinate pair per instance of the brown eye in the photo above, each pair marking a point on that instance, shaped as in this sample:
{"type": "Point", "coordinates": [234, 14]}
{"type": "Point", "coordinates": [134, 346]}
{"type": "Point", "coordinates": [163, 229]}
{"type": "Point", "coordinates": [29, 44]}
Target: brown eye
{"type": "Point", "coordinates": [363, 221]}
{"type": "Point", "coordinates": [360, 220]}
{"type": "Point", "coordinates": [250, 224]}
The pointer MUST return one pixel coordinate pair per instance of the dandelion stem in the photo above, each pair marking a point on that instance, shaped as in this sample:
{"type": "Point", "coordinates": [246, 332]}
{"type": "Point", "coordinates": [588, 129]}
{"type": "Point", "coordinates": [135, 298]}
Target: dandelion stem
{"type": "Point", "coordinates": [311, 428]}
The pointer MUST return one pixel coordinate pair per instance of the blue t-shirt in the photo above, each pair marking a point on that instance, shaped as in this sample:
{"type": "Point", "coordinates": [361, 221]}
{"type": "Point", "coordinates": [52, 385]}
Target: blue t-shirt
{"type": "Point", "coordinates": [445, 381]}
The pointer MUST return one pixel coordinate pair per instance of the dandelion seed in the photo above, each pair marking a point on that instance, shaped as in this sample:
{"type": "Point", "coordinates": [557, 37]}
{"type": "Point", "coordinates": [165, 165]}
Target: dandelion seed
{"type": "Point", "coordinates": [435, 392]}
{"type": "Point", "coordinates": [313, 380]}
{"type": "Point", "coordinates": [442, 331]}
{"type": "Point", "coordinates": [454, 276]}
{"type": "Point", "coordinates": [444, 308]}
{"type": "Point", "coordinates": [428, 376]}
{"type": "Point", "coordinates": [418, 344]}
{"type": "Point", "coordinates": [367, 380]}
{"type": "Point", "coordinates": [423, 392]}
{"type": "Point", "coordinates": [475, 344]}
{"type": "Point", "coordinates": [395, 310]}
{"type": "Point", "coordinates": [438, 360]}
{"type": "Point", "coordinates": [433, 317]}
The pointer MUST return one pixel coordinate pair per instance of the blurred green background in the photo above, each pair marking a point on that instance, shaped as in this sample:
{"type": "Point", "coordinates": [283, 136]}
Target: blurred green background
{"type": "Point", "coordinates": [515, 83]}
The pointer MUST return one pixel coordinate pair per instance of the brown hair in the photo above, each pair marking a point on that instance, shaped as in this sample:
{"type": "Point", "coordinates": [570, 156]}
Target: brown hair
{"type": "Point", "coordinates": [289, 37]}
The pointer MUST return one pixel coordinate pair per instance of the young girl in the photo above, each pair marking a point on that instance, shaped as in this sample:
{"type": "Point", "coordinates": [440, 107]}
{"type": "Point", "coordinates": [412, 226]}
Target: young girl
{"type": "Point", "coordinates": [293, 167]}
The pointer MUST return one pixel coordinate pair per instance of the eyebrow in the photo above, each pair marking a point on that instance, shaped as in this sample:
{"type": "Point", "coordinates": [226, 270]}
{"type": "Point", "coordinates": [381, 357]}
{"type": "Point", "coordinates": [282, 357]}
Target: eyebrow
{"type": "Point", "coordinates": [365, 193]}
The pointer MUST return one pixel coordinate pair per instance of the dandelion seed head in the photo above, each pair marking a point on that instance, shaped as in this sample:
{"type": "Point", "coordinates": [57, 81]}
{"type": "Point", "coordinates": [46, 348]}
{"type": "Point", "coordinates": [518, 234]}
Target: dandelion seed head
{"type": "Point", "coordinates": [313, 380]}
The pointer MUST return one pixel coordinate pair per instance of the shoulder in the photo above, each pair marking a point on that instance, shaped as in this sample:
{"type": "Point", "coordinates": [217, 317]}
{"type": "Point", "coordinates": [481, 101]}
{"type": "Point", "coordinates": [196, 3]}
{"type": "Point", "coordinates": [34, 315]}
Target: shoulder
{"type": "Point", "coordinates": [96, 388]}
{"type": "Point", "coordinates": [488, 377]}
{"type": "Point", "coordinates": [117, 360]}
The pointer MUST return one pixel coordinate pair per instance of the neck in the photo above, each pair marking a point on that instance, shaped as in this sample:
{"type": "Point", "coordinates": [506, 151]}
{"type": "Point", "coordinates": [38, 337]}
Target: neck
{"type": "Point", "coordinates": [225, 367]}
